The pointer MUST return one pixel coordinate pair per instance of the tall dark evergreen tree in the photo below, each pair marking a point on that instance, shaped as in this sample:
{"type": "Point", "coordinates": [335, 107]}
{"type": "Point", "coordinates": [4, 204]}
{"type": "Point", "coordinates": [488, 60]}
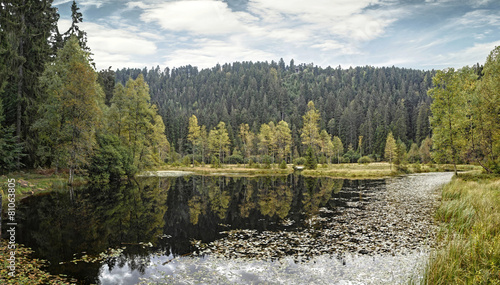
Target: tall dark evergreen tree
{"type": "Point", "coordinates": [74, 29]}
{"type": "Point", "coordinates": [25, 27]}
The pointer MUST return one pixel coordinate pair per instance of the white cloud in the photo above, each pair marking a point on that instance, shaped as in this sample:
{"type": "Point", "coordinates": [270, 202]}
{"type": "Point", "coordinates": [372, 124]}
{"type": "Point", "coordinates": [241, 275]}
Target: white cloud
{"type": "Point", "coordinates": [198, 17]}
{"type": "Point", "coordinates": [313, 10]}
{"type": "Point", "coordinates": [114, 47]}
{"type": "Point", "coordinates": [479, 18]}
{"type": "Point", "coordinates": [474, 54]}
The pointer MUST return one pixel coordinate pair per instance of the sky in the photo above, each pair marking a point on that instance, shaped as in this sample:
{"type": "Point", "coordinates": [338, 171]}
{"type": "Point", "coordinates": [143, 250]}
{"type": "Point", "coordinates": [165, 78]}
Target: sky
{"type": "Point", "coordinates": [418, 34]}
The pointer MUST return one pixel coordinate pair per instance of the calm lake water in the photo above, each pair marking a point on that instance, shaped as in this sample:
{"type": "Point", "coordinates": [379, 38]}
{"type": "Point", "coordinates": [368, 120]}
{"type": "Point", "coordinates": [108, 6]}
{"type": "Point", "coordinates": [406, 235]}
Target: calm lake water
{"type": "Point", "coordinates": [201, 226]}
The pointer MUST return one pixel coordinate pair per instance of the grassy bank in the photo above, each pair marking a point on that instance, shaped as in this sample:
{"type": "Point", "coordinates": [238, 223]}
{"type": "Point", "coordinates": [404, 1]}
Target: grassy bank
{"type": "Point", "coordinates": [34, 181]}
{"type": "Point", "coordinates": [343, 170]}
{"type": "Point", "coordinates": [469, 239]}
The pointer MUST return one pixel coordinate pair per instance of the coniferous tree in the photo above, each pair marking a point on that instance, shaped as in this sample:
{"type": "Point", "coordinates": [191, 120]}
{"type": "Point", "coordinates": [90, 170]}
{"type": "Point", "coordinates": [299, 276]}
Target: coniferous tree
{"type": "Point", "coordinates": [74, 29]}
{"type": "Point", "coordinates": [25, 27]}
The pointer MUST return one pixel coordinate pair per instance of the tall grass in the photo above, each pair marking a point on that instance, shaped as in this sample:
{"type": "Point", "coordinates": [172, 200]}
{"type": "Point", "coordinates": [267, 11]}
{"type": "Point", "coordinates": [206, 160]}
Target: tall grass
{"type": "Point", "coordinates": [469, 236]}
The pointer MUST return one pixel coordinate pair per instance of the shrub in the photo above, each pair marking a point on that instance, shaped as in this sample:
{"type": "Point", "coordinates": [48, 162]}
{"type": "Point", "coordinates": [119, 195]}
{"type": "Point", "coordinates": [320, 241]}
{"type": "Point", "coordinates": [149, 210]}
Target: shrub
{"type": "Point", "coordinates": [364, 159]}
{"type": "Point", "coordinates": [299, 161]}
{"type": "Point", "coordinates": [111, 160]}
{"type": "Point", "coordinates": [283, 165]}
{"type": "Point", "coordinates": [215, 162]}
{"type": "Point", "coordinates": [235, 159]}
{"type": "Point", "coordinates": [266, 161]}
{"type": "Point", "coordinates": [186, 160]}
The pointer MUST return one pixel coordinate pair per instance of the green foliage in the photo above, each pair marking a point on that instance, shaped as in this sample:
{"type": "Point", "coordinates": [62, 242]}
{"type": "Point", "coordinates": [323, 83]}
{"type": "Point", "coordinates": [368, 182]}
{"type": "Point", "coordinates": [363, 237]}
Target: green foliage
{"type": "Point", "coordinates": [106, 79]}
{"type": "Point", "coordinates": [400, 157]}
{"type": "Point", "coordinates": [25, 31]}
{"type": "Point", "coordinates": [413, 155]}
{"type": "Point", "coordinates": [299, 161]}
{"type": "Point", "coordinates": [283, 165]}
{"type": "Point", "coordinates": [218, 140]}
{"type": "Point", "coordinates": [364, 160]}
{"type": "Point", "coordinates": [10, 148]}
{"type": "Point", "coordinates": [186, 161]}
{"type": "Point", "coordinates": [351, 156]}
{"type": "Point", "coordinates": [448, 115]}
{"type": "Point", "coordinates": [235, 159]}
{"type": "Point", "coordinates": [390, 149]}
{"type": "Point", "coordinates": [71, 111]}
{"type": "Point", "coordinates": [310, 131]}
{"type": "Point", "coordinates": [350, 102]}
{"type": "Point", "coordinates": [136, 122]}
{"type": "Point", "coordinates": [111, 159]}
{"type": "Point", "coordinates": [266, 161]}
{"type": "Point", "coordinates": [311, 162]}
{"type": "Point", "coordinates": [215, 162]}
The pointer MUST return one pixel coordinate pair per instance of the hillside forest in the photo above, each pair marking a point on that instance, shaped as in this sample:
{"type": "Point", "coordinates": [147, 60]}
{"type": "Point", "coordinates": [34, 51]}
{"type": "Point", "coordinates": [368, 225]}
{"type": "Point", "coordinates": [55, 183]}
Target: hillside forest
{"type": "Point", "coordinates": [58, 111]}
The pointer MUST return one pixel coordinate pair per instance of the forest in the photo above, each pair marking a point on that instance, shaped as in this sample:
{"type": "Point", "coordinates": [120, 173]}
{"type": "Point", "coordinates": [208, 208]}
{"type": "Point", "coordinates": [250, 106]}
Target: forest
{"type": "Point", "coordinates": [58, 111]}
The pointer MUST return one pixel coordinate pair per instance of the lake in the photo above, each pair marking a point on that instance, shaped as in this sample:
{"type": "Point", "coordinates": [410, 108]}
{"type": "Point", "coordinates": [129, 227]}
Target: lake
{"type": "Point", "coordinates": [231, 230]}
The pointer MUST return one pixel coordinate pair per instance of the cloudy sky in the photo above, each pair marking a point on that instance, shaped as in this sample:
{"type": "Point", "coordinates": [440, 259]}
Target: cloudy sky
{"type": "Point", "coordinates": [420, 34]}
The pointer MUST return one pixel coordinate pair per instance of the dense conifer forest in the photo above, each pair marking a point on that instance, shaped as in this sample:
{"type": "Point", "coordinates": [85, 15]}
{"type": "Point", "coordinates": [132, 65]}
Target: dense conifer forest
{"type": "Point", "coordinates": [367, 102]}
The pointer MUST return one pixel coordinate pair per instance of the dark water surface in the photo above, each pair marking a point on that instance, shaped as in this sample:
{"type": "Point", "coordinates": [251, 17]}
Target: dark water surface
{"type": "Point", "coordinates": [125, 228]}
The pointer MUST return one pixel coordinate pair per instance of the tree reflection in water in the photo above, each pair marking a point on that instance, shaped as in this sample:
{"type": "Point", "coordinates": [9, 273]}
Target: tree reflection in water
{"type": "Point", "coordinates": [168, 212]}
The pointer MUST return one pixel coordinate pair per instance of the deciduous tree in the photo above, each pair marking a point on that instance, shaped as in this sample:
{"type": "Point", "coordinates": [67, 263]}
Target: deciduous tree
{"type": "Point", "coordinates": [310, 131]}
{"type": "Point", "coordinates": [71, 111]}
{"type": "Point", "coordinates": [448, 116]}
{"type": "Point", "coordinates": [390, 149]}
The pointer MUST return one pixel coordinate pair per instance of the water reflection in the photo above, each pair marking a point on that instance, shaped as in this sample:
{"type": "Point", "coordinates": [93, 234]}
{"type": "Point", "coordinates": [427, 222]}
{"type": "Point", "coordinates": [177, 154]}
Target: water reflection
{"type": "Point", "coordinates": [169, 213]}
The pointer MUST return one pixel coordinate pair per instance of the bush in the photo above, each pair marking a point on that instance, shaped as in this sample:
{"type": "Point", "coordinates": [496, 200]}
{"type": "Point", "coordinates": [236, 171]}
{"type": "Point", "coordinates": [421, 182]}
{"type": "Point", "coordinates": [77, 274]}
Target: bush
{"type": "Point", "coordinates": [186, 160]}
{"type": "Point", "coordinates": [283, 165]}
{"type": "Point", "coordinates": [235, 159]}
{"type": "Point", "coordinates": [111, 160]}
{"type": "Point", "coordinates": [266, 161]}
{"type": "Point", "coordinates": [364, 159]}
{"type": "Point", "coordinates": [299, 161]}
{"type": "Point", "coordinates": [215, 162]}
{"type": "Point", "coordinates": [251, 163]}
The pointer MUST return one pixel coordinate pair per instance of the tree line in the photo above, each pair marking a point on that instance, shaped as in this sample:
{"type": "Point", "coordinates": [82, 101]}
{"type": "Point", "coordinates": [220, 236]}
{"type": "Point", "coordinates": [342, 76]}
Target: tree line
{"type": "Point", "coordinates": [358, 106]}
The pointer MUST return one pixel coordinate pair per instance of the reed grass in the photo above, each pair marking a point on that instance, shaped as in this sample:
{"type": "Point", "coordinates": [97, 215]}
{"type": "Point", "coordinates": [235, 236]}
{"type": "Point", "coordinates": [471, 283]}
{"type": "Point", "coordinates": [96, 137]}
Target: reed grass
{"type": "Point", "coordinates": [469, 238]}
